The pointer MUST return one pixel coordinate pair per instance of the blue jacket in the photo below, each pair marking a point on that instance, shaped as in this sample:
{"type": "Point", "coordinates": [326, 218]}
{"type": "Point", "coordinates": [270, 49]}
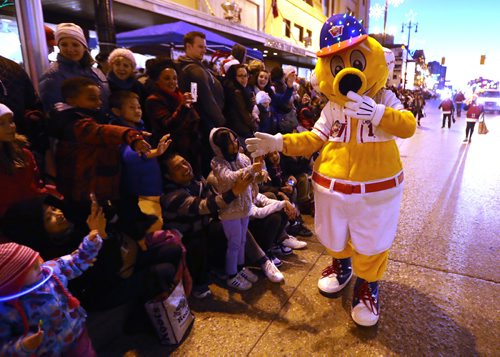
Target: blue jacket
{"type": "Point", "coordinates": [61, 324]}
{"type": "Point", "coordinates": [52, 80]}
{"type": "Point", "coordinates": [140, 176]}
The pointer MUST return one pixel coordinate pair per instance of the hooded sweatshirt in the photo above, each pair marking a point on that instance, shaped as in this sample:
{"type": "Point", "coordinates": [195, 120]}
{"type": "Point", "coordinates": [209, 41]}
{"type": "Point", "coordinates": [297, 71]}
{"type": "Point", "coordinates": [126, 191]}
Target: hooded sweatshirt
{"type": "Point", "coordinates": [226, 173]}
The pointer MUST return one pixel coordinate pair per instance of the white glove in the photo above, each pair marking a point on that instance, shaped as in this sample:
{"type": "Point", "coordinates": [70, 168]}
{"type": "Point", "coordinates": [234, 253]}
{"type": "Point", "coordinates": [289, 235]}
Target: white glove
{"type": "Point", "coordinates": [264, 143]}
{"type": "Point", "coordinates": [364, 108]}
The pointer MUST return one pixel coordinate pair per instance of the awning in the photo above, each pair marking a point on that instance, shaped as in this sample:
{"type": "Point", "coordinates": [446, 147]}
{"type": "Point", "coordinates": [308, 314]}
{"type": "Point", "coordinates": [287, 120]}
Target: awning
{"type": "Point", "coordinates": [173, 34]}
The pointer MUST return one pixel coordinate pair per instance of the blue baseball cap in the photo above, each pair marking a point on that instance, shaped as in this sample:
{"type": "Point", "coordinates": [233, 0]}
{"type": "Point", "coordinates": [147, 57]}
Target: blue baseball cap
{"type": "Point", "coordinates": [339, 32]}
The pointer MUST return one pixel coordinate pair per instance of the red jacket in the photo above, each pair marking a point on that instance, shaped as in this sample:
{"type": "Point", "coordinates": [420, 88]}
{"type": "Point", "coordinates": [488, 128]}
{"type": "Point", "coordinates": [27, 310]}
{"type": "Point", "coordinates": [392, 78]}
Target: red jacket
{"type": "Point", "coordinates": [446, 105]}
{"type": "Point", "coordinates": [23, 184]}
{"type": "Point", "coordinates": [88, 155]}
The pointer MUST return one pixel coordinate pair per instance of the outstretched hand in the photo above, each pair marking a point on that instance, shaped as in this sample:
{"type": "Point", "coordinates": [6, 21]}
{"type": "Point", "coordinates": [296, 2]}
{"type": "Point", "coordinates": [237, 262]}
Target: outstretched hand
{"type": "Point", "coordinates": [264, 143]}
{"type": "Point", "coordinates": [163, 145]}
{"type": "Point", "coordinates": [96, 220]}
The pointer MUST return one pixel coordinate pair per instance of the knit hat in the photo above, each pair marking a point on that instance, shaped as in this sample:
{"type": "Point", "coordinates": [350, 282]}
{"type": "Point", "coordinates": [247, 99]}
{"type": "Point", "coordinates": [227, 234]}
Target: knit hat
{"type": "Point", "coordinates": [289, 70]}
{"type": "Point", "coordinates": [71, 30]}
{"type": "Point", "coordinates": [5, 110]}
{"type": "Point", "coordinates": [262, 97]}
{"type": "Point", "coordinates": [15, 262]}
{"type": "Point", "coordinates": [122, 52]}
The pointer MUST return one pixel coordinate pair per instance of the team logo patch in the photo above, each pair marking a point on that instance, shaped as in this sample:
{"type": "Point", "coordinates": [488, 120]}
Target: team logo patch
{"type": "Point", "coordinates": [336, 31]}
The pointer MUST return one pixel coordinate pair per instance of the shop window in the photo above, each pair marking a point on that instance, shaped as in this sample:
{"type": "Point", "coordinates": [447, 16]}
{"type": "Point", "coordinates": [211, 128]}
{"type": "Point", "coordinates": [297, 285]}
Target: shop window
{"type": "Point", "coordinates": [286, 28]}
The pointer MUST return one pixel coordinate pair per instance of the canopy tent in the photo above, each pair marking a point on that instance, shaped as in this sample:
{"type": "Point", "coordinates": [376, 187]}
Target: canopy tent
{"type": "Point", "coordinates": [173, 34]}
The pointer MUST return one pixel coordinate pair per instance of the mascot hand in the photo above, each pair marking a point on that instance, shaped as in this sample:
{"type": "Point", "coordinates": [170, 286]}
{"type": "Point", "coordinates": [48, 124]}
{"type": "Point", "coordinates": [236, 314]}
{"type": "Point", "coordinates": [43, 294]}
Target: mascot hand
{"type": "Point", "coordinates": [264, 143]}
{"type": "Point", "coordinates": [364, 108]}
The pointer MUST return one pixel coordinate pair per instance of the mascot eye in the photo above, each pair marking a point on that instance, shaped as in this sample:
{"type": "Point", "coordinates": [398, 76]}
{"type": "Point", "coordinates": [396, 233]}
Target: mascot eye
{"type": "Point", "coordinates": [336, 65]}
{"type": "Point", "coordinates": [358, 60]}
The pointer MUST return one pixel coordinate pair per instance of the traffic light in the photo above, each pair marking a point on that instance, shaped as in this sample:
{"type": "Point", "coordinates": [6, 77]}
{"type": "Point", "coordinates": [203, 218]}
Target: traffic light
{"type": "Point", "coordinates": [483, 58]}
{"type": "Point", "coordinates": [442, 61]}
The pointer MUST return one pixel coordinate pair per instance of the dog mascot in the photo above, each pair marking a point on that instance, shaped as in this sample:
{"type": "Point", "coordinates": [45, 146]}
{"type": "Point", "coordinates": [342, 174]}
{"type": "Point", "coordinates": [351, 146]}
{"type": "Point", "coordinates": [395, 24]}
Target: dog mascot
{"type": "Point", "coordinates": [358, 176]}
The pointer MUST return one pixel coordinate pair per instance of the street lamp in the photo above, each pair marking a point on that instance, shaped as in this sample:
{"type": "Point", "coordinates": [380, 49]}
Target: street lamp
{"type": "Point", "coordinates": [409, 26]}
{"type": "Point", "coordinates": [394, 3]}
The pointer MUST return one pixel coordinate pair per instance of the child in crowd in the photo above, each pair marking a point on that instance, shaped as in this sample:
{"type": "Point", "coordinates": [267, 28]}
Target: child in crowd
{"type": "Point", "coordinates": [284, 186]}
{"type": "Point", "coordinates": [141, 175]}
{"type": "Point", "coordinates": [267, 120]}
{"type": "Point", "coordinates": [39, 315]}
{"type": "Point", "coordinates": [227, 165]}
{"type": "Point", "coordinates": [86, 156]}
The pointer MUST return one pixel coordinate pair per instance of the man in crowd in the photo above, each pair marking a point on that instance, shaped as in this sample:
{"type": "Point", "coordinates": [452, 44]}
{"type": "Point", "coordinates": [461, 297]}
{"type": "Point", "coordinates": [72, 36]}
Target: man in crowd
{"type": "Point", "coordinates": [210, 98]}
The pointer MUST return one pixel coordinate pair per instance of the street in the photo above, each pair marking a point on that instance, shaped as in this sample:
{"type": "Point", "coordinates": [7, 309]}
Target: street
{"type": "Point", "coordinates": [440, 291]}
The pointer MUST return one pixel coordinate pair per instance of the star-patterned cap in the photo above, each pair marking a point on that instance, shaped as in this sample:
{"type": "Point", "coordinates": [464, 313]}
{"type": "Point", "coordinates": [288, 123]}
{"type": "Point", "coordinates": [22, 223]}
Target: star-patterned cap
{"type": "Point", "coordinates": [339, 32]}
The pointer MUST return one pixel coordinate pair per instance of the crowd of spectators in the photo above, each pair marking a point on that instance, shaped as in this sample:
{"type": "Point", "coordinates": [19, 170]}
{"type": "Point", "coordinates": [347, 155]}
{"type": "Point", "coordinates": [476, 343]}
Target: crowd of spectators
{"type": "Point", "coordinates": [143, 150]}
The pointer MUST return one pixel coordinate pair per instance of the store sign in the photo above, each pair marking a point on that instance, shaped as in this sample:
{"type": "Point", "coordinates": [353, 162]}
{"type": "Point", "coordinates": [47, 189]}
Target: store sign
{"type": "Point", "coordinates": [283, 46]}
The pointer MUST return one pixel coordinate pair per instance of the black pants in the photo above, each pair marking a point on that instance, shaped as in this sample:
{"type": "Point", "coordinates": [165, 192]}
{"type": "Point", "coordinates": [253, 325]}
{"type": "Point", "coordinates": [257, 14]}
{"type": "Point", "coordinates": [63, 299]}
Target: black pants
{"type": "Point", "coordinates": [267, 230]}
{"type": "Point", "coordinates": [469, 129]}
{"type": "Point", "coordinates": [444, 119]}
{"type": "Point", "coordinates": [197, 256]}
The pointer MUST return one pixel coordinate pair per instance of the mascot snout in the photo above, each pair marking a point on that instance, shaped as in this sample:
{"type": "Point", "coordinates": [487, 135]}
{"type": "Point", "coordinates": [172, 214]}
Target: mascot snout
{"type": "Point", "coordinates": [349, 79]}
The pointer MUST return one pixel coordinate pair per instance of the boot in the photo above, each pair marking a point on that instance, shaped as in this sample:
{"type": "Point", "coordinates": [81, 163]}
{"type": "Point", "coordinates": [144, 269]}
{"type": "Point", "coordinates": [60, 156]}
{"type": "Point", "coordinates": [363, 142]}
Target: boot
{"type": "Point", "coordinates": [336, 276]}
{"type": "Point", "coordinates": [365, 304]}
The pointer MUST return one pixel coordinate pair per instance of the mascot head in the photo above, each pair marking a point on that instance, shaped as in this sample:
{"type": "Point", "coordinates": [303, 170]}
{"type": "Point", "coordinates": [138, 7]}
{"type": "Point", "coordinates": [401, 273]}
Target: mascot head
{"type": "Point", "coordinates": [349, 60]}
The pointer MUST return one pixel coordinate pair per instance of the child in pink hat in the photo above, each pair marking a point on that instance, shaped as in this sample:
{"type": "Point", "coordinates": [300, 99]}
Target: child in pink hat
{"type": "Point", "coordinates": [39, 315]}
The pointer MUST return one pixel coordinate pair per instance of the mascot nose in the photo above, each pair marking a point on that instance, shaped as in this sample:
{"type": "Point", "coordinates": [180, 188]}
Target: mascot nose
{"type": "Point", "coordinates": [351, 81]}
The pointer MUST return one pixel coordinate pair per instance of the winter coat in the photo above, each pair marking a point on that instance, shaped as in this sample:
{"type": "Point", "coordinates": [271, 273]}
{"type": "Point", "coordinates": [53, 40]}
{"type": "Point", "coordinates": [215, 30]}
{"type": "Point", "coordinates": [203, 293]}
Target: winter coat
{"type": "Point", "coordinates": [23, 184]}
{"type": "Point", "coordinates": [62, 324]}
{"type": "Point", "coordinates": [189, 208]}
{"type": "Point", "coordinates": [226, 174]}
{"type": "Point", "coordinates": [140, 176]}
{"type": "Point", "coordinates": [17, 92]}
{"type": "Point", "coordinates": [238, 110]}
{"type": "Point", "coordinates": [210, 102]}
{"type": "Point", "coordinates": [52, 80]}
{"type": "Point", "coordinates": [87, 154]}
{"type": "Point", "coordinates": [130, 84]}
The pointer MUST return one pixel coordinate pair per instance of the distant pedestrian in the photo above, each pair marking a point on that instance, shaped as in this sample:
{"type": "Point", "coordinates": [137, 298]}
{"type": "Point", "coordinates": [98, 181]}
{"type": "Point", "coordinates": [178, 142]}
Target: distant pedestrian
{"type": "Point", "coordinates": [474, 114]}
{"type": "Point", "coordinates": [447, 108]}
{"type": "Point", "coordinates": [459, 100]}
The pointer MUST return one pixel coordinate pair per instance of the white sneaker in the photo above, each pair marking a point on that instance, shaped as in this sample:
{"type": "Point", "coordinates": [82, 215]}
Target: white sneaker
{"type": "Point", "coordinates": [239, 283]}
{"type": "Point", "coordinates": [271, 272]}
{"type": "Point", "coordinates": [249, 275]}
{"type": "Point", "coordinates": [294, 243]}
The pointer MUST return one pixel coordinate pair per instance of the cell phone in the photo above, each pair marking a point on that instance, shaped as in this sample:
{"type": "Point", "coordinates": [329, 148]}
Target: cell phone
{"type": "Point", "coordinates": [291, 182]}
{"type": "Point", "coordinates": [194, 91]}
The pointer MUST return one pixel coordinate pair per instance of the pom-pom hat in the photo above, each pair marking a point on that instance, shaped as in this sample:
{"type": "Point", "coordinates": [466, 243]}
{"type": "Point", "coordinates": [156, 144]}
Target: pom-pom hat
{"type": "Point", "coordinates": [339, 32]}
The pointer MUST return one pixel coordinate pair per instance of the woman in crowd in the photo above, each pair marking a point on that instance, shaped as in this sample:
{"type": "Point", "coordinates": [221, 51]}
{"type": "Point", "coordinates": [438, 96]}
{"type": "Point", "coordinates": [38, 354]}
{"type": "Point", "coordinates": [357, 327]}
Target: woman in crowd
{"type": "Point", "coordinates": [122, 73]}
{"type": "Point", "coordinates": [170, 112]}
{"type": "Point", "coordinates": [239, 103]}
{"type": "Point", "coordinates": [73, 60]}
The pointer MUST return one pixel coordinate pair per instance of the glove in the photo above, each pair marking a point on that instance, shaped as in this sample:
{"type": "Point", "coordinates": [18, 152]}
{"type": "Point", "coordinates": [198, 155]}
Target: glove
{"type": "Point", "coordinates": [264, 143]}
{"type": "Point", "coordinates": [364, 108]}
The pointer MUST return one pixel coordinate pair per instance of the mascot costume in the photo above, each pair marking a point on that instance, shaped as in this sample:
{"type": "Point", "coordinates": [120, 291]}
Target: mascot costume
{"type": "Point", "coordinates": [358, 175]}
